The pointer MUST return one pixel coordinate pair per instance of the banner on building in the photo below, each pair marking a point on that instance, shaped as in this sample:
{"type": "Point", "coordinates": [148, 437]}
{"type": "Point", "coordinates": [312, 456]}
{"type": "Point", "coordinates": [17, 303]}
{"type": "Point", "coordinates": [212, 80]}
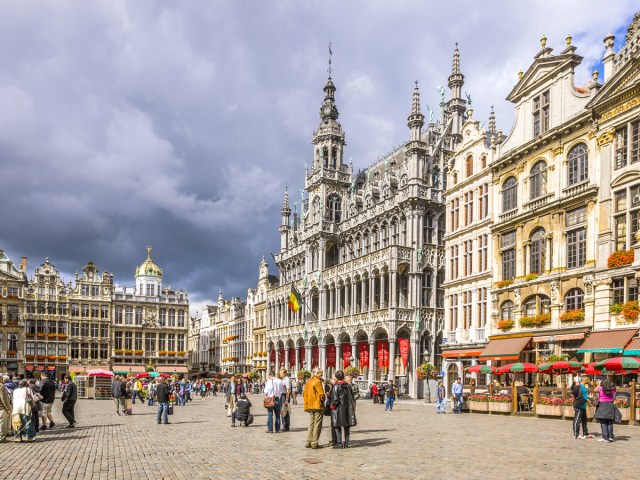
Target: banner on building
{"type": "Point", "coordinates": [303, 357]}
{"type": "Point", "coordinates": [292, 358]}
{"type": "Point", "coordinates": [346, 354]}
{"type": "Point", "coordinates": [272, 357]}
{"type": "Point", "coordinates": [403, 344]}
{"type": "Point", "coordinates": [364, 354]}
{"type": "Point", "coordinates": [331, 355]}
{"type": "Point", "coordinates": [281, 359]}
{"type": "Point", "coordinates": [383, 353]}
{"type": "Point", "coordinates": [315, 356]}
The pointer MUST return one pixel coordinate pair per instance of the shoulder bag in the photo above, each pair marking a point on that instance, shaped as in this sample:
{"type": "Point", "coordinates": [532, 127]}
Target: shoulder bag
{"type": "Point", "coordinates": [269, 402]}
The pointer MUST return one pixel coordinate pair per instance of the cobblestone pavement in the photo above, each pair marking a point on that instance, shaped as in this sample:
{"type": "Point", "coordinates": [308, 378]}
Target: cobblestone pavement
{"type": "Point", "coordinates": [410, 442]}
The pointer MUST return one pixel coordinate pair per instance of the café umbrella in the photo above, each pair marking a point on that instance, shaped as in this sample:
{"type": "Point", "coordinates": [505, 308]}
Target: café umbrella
{"type": "Point", "coordinates": [618, 364]}
{"type": "Point", "coordinates": [518, 368]}
{"type": "Point", "coordinates": [488, 369]}
{"type": "Point", "coordinates": [562, 366]}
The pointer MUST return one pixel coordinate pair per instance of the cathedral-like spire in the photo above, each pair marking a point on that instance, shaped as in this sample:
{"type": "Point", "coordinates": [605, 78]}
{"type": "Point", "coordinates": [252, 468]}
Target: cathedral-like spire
{"type": "Point", "coordinates": [456, 79]}
{"type": "Point", "coordinates": [415, 122]}
{"type": "Point", "coordinates": [455, 69]}
{"type": "Point", "coordinates": [492, 121]}
{"type": "Point", "coordinates": [285, 204]}
{"type": "Point", "coordinates": [328, 110]}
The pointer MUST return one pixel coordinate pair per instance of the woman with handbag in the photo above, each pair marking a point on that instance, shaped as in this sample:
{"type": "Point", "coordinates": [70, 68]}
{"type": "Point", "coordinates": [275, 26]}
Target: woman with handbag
{"type": "Point", "coordinates": [343, 415]}
{"type": "Point", "coordinates": [23, 402]}
{"type": "Point", "coordinates": [273, 390]}
{"type": "Point", "coordinates": [605, 394]}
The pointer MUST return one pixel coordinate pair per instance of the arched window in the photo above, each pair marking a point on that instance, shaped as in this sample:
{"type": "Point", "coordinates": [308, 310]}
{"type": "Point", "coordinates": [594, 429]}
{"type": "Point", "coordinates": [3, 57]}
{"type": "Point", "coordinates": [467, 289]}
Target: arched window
{"type": "Point", "coordinates": [315, 301]}
{"type": "Point", "coordinates": [427, 287]}
{"type": "Point", "coordinates": [468, 166]}
{"type": "Point", "coordinates": [538, 179]}
{"type": "Point", "coordinates": [578, 164]}
{"type": "Point", "coordinates": [383, 234]}
{"type": "Point", "coordinates": [428, 228]}
{"type": "Point", "coordinates": [325, 156]}
{"type": "Point", "coordinates": [536, 305]}
{"type": "Point", "coordinates": [538, 253]}
{"type": "Point", "coordinates": [574, 300]}
{"type": "Point", "coordinates": [334, 208]}
{"type": "Point", "coordinates": [506, 310]}
{"type": "Point", "coordinates": [334, 156]}
{"type": "Point", "coordinates": [509, 194]}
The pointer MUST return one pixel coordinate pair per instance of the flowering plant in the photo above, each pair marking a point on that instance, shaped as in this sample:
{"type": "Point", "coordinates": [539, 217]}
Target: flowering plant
{"type": "Point", "coordinates": [573, 315]}
{"type": "Point", "coordinates": [139, 352]}
{"type": "Point", "coordinates": [631, 310]}
{"type": "Point", "coordinates": [181, 352]}
{"type": "Point", "coordinates": [253, 375]}
{"type": "Point", "coordinates": [552, 401]}
{"type": "Point", "coordinates": [505, 324]}
{"type": "Point", "coordinates": [504, 283]}
{"type": "Point", "coordinates": [40, 335]}
{"type": "Point", "coordinates": [537, 321]}
{"type": "Point", "coordinates": [62, 335]}
{"type": "Point", "coordinates": [621, 402]}
{"type": "Point", "coordinates": [615, 309]}
{"type": "Point", "coordinates": [118, 351]}
{"type": "Point", "coordinates": [479, 397]}
{"type": "Point", "coordinates": [568, 402]}
{"type": "Point", "coordinates": [620, 258]}
{"type": "Point", "coordinates": [128, 352]}
{"type": "Point", "coordinates": [352, 371]}
{"type": "Point", "coordinates": [427, 370]}
{"type": "Point", "coordinates": [304, 374]}
{"type": "Point", "coordinates": [500, 399]}
{"type": "Point", "coordinates": [531, 276]}
{"type": "Point", "coordinates": [162, 352]}
{"type": "Point", "coordinates": [52, 335]}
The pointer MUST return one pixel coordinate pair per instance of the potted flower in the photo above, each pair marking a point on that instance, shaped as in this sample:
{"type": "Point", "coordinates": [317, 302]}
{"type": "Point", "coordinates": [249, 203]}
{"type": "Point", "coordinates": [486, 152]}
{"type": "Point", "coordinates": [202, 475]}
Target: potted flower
{"type": "Point", "coordinates": [567, 408]}
{"type": "Point", "coordinates": [118, 351]}
{"type": "Point", "coordinates": [352, 371]}
{"type": "Point", "coordinates": [478, 402]}
{"type": "Point", "coordinates": [51, 357]}
{"type": "Point", "coordinates": [30, 335]}
{"type": "Point", "coordinates": [576, 315]}
{"type": "Point", "coordinates": [29, 357]}
{"type": "Point", "coordinates": [623, 404]}
{"type": "Point", "coordinates": [500, 403]}
{"type": "Point", "coordinates": [549, 406]}
{"type": "Point", "coordinates": [620, 258]}
{"type": "Point", "coordinates": [504, 283]}
{"type": "Point", "coordinates": [40, 357]}
{"type": "Point", "coordinates": [40, 335]}
{"type": "Point", "coordinates": [52, 335]}
{"type": "Point", "coordinates": [171, 353]}
{"type": "Point", "coordinates": [162, 352]}
{"type": "Point", "coordinates": [253, 375]}
{"type": "Point", "coordinates": [182, 352]}
{"type": "Point", "coordinates": [630, 311]}
{"type": "Point", "coordinates": [62, 335]}
{"type": "Point", "coordinates": [62, 357]}
{"type": "Point", "coordinates": [12, 353]}
{"type": "Point", "coordinates": [426, 370]}
{"type": "Point", "coordinates": [128, 351]}
{"type": "Point", "coordinates": [138, 352]}
{"type": "Point", "coordinates": [302, 374]}
{"type": "Point", "coordinates": [505, 324]}
{"type": "Point", "coordinates": [531, 276]}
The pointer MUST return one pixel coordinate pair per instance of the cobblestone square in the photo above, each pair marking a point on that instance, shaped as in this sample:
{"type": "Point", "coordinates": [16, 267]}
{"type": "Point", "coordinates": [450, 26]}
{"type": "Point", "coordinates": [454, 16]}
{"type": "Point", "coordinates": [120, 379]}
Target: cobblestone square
{"type": "Point", "coordinates": [410, 442]}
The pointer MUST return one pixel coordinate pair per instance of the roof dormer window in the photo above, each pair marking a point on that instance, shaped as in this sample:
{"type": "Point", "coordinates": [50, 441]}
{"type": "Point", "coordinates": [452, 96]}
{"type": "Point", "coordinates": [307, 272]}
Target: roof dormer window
{"type": "Point", "coordinates": [541, 114]}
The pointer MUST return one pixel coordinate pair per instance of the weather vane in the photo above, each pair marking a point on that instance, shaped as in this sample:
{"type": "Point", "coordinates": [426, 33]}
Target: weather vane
{"type": "Point", "coordinates": [330, 54]}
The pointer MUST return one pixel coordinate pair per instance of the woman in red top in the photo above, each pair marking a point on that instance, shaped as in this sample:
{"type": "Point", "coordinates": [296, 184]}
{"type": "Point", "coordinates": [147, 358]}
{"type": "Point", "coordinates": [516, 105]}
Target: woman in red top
{"type": "Point", "coordinates": [374, 392]}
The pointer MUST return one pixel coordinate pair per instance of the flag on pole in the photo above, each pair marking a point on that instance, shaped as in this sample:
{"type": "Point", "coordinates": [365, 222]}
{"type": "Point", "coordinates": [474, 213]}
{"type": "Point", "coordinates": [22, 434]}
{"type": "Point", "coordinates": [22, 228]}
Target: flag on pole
{"type": "Point", "coordinates": [295, 300]}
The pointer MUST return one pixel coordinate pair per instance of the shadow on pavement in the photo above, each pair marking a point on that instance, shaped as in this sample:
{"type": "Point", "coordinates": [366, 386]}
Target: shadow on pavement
{"type": "Point", "coordinates": [369, 442]}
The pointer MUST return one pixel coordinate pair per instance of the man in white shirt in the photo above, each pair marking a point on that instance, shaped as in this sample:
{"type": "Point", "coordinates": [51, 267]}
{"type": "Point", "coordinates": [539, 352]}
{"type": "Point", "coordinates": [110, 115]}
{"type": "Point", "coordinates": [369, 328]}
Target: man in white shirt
{"type": "Point", "coordinates": [274, 388]}
{"type": "Point", "coordinates": [285, 399]}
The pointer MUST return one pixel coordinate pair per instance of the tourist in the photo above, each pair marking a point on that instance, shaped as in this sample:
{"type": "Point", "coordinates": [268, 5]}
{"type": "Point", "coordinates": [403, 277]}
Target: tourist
{"type": "Point", "coordinates": [35, 405]}
{"type": "Point", "coordinates": [313, 399]}
{"type": "Point", "coordinates": [606, 410]}
{"type": "Point", "coordinates": [243, 412]}
{"type": "Point", "coordinates": [69, 397]}
{"type": "Point", "coordinates": [390, 392]}
{"type": "Point", "coordinates": [381, 392]}
{"type": "Point", "coordinates": [274, 388]}
{"type": "Point", "coordinates": [284, 400]}
{"type": "Point", "coordinates": [355, 390]}
{"type": "Point", "coordinates": [441, 398]}
{"type": "Point", "coordinates": [151, 392]}
{"type": "Point", "coordinates": [6, 409]}
{"type": "Point", "coordinates": [163, 391]}
{"type": "Point", "coordinates": [294, 391]}
{"type": "Point", "coordinates": [231, 396]}
{"type": "Point", "coordinates": [343, 415]}
{"type": "Point", "coordinates": [374, 392]}
{"type": "Point", "coordinates": [48, 392]}
{"type": "Point", "coordinates": [456, 390]}
{"type": "Point", "coordinates": [328, 387]}
{"type": "Point", "coordinates": [22, 414]}
{"type": "Point", "coordinates": [128, 398]}
{"type": "Point", "coordinates": [118, 392]}
{"type": "Point", "coordinates": [580, 395]}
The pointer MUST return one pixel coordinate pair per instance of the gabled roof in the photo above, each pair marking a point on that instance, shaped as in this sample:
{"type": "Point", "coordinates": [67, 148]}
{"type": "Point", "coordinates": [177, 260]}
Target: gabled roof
{"type": "Point", "coordinates": [543, 68]}
{"type": "Point", "coordinates": [624, 80]}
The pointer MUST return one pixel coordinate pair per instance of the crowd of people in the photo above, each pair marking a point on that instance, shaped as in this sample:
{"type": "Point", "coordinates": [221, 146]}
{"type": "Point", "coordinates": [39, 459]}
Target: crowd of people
{"type": "Point", "coordinates": [26, 405]}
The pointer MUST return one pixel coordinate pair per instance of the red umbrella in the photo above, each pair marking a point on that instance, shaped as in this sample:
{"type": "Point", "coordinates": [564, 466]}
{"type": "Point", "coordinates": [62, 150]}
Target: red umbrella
{"type": "Point", "coordinates": [488, 369]}
{"type": "Point", "coordinates": [142, 375]}
{"type": "Point", "coordinates": [562, 366]}
{"type": "Point", "coordinates": [164, 375]}
{"type": "Point", "coordinates": [518, 368]}
{"type": "Point", "coordinates": [619, 364]}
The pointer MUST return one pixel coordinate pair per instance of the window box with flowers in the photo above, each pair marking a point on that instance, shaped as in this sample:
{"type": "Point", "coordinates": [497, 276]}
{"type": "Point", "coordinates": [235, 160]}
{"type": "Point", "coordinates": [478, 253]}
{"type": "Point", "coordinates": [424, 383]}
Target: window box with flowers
{"type": "Point", "coordinates": [162, 352]}
{"type": "Point", "coordinates": [118, 351]}
{"type": "Point", "coordinates": [504, 283]}
{"type": "Point", "coordinates": [40, 357]}
{"type": "Point", "coordinates": [623, 406]}
{"type": "Point", "coordinates": [531, 277]}
{"type": "Point", "coordinates": [62, 335]}
{"type": "Point", "coordinates": [40, 335]}
{"type": "Point", "coordinates": [182, 352]}
{"type": "Point", "coordinates": [128, 352]}
{"type": "Point", "coordinates": [500, 403]}
{"type": "Point", "coordinates": [549, 406]}
{"type": "Point", "coordinates": [573, 316]}
{"type": "Point", "coordinates": [52, 335]}
{"type": "Point", "coordinates": [29, 357]}
{"type": "Point", "coordinates": [12, 353]}
{"type": "Point", "coordinates": [172, 353]}
{"type": "Point", "coordinates": [620, 258]}
{"type": "Point", "coordinates": [51, 357]}
{"type": "Point", "coordinates": [478, 402]}
{"type": "Point", "coordinates": [30, 335]}
{"type": "Point", "coordinates": [630, 311]}
{"type": "Point", "coordinates": [138, 352]}
{"type": "Point", "coordinates": [62, 357]}
{"type": "Point", "coordinates": [536, 321]}
{"type": "Point", "coordinates": [505, 324]}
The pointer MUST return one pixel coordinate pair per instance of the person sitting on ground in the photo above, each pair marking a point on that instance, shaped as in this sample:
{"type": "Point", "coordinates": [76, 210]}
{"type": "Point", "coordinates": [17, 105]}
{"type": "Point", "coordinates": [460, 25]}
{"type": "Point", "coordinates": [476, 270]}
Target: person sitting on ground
{"type": "Point", "coordinates": [242, 412]}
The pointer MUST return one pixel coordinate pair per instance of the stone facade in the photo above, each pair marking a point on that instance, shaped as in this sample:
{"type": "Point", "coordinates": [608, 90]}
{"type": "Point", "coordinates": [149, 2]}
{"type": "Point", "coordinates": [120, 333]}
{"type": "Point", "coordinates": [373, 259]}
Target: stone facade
{"type": "Point", "coordinates": [13, 283]}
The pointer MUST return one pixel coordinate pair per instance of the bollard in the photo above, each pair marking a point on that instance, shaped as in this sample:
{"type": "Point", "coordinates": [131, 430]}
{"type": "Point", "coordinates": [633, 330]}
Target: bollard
{"type": "Point", "coordinates": [514, 397]}
{"type": "Point", "coordinates": [632, 403]}
{"type": "Point", "coordinates": [535, 397]}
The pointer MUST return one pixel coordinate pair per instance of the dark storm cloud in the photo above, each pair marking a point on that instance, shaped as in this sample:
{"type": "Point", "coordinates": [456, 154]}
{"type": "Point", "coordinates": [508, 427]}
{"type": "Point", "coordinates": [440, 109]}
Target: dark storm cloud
{"type": "Point", "coordinates": [178, 124]}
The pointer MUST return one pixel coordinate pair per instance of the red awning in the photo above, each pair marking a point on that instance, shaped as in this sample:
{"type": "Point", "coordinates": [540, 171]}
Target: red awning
{"type": "Point", "coordinates": [29, 368]}
{"type": "Point", "coordinates": [504, 348]}
{"type": "Point", "coordinates": [633, 348]}
{"type": "Point", "coordinates": [76, 369]}
{"type": "Point", "coordinates": [52, 368]}
{"type": "Point", "coordinates": [460, 353]}
{"type": "Point", "coordinates": [610, 341]}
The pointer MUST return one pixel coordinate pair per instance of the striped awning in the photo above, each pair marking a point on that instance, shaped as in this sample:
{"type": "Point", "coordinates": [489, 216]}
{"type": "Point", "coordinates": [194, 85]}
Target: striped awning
{"type": "Point", "coordinates": [559, 338]}
{"type": "Point", "coordinates": [504, 348]}
{"type": "Point", "coordinates": [633, 347]}
{"type": "Point", "coordinates": [171, 369]}
{"type": "Point", "coordinates": [611, 341]}
{"type": "Point", "coordinates": [124, 369]}
{"type": "Point", "coordinates": [460, 353]}
{"type": "Point", "coordinates": [76, 369]}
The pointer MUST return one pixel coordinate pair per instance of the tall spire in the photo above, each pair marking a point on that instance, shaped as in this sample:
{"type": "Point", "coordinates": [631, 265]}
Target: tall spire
{"type": "Point", "coordinates": [415, 122]}
{"type": "Point", "coordinates": [456, 79]}
{"type": "Point", "coordinates": [492, 121]}
{"type": "Point", "coordinates": [455, 69]}
{"type": "Point", "coordinates": [285, 204]}
{"type": "Point", "coordinates": [328, 110]}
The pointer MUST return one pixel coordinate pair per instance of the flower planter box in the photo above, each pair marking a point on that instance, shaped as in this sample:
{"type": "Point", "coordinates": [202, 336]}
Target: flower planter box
{"type": "Point", "coordinates": [465, 405]}
{"type": "Point", "coordinates": [591, 411]}
{"type": "Point", "coordinates": [567, 411]}
{"type": "Point", "coordinates": [499, 407]}
{"type": "Point", "coordinates": [549, 410]}
{"type": "Point", "coordinates": [478, 406]}
{"type": "Point", "coordinates": [626, 414]}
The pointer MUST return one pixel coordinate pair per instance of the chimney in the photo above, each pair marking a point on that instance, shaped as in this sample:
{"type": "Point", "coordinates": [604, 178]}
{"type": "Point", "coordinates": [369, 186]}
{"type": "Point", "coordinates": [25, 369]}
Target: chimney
{"type": "Point", "coordinates": [23, 265]}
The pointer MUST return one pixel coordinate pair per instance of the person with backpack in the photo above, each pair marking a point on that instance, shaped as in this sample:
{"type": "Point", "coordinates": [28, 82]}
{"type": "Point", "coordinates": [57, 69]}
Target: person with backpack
{"type": "Point", "coordinates": [118, 392]}
{"type": "Point", "coordinates": [579, 391]}
{"type": "Point", "coordinates": [605, 394]}
{"type": "Point", "coordinates": [441, 398]}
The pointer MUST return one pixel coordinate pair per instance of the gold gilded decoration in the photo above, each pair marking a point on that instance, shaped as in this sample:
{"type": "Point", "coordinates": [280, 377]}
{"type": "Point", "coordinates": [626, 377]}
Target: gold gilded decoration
{"type": "Point", "coordinates": [558, 150]}
{"type": "Point", "coordinates": [618, 110]}
{"type": "Point", "coordinates": [605, 137]}
{"type": "Point", "coordinates": [520, 168]}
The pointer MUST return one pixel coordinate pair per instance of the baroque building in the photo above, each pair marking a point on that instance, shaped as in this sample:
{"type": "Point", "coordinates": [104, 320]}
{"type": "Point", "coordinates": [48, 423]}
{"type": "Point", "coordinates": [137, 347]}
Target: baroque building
{"type": "Point", "coordinates": [366, 252]}
{"type": "Point", "coordinates": [12, 289]}
{"type": "Point", "coordinates": [228, 324]}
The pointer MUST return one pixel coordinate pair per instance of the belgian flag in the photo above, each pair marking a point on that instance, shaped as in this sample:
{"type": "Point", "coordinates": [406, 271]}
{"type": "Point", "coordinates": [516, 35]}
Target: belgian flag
{"type": "Point", "coordinates": [295, 299]}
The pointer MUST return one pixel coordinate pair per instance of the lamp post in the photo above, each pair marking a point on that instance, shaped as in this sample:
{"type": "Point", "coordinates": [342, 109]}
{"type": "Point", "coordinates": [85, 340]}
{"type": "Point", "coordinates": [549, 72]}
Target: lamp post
{"type": "Point", "coordinates": [427, 390]}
